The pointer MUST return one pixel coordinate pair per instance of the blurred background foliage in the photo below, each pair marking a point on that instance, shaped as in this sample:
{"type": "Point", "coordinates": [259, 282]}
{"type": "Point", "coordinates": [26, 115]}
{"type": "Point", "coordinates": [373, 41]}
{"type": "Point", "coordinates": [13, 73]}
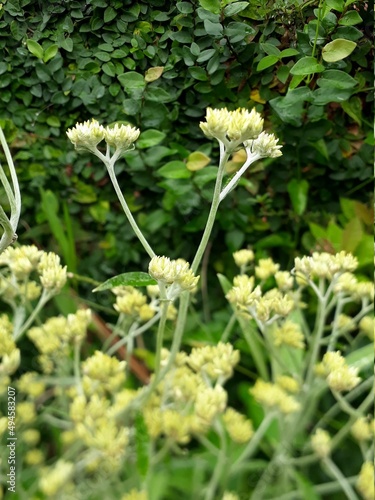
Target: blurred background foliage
{"type": "Point", "coordinates": [305, 65]}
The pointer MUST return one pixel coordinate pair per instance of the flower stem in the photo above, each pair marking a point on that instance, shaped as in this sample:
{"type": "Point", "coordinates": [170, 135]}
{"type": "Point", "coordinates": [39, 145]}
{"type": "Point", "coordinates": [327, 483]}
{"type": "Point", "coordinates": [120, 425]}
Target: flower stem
{"type": "Point", "coordinates": [224, 155]}
{"type": "Point", "coordinates": [111, 171]}
{"type": "Point", "coordinates": [221, 461]}
{"type": "Point", "coordinates": [338, 475]}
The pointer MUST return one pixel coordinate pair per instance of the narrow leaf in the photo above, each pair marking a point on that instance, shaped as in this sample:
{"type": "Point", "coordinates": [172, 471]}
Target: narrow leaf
{"type": "Point", "coordinates": [127, 279]}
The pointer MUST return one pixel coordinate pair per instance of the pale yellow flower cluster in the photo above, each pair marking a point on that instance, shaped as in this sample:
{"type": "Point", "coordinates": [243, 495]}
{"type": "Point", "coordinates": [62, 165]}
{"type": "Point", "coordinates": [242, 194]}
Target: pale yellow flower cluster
{"type": "Point", "coordinates": [89, 134]}
{"type": "Point", "coordinates": [56, 478]}
{"type": "Point", "coordinates": [95, 426]}
{"type": "Point", "coordinates": [367, 326]}
{"type": "Point", "coordinates": [21, 262]}
{"type": "Point", "coordinates": [265, 145]}
{"type": "Point", "coordinates": [262, 307]}
{"type": "Point", "coordinates": [365, 482]}
{"type": "Point", "coordinates": [274, 396]}
{"type": "Point", "coordinates": [228, 495]}
{"type": "Point", "coordinates": [363, 429]}
{"type": "Point", "coordinates": [266, 268]}
{"type": "Point", "coordinates": [135, 495]}
{"type": "Point", "coordinates": [217, 361]}
{"type": "Point", "coordinates": [239, 428]}
{"type": "Point", "coordinates": [56, 336]}
{"type": "Point", "coordinates": [174, 273]}
{"type": "Point", "coordinates": [30, 384]}
{"type": "Point", "coordinates": [348, 284]}
{"type": "Point", "coordinates": [325, 265]}
{"type": "Point", "coordinates": [290, 334]}
{"type": "Point", "coordinates": [340, 377]}
{"type": "Point", "coordinates": [243, 257]}
{"type": "Point", "coordinates": [321, 443]}
{"type": "Point", "coordinates": [10, 356]}
{"type": "Point", "coordinates": [190, 397]}
{"type": "Point", "coordinates": [102, 373]}
{"type": "Point", "coordinates": [133, 303]}
{"type": "Point", "coordinates": [52, 274]}
{"type": "Point", "coordinates": [237, 126]}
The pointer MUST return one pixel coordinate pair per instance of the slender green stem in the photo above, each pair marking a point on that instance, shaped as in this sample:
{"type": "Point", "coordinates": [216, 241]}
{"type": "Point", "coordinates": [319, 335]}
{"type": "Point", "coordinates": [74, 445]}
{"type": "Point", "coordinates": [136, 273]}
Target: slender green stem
{"type": "Point", "coordinates": [317, 336]}
{"type": "Point", "coordinates": [344, 405]}
{"type": "Point", "coordinates": [134, 334]}
{"type": "Point", "coordinates": [255, 440]}
{"type": "Point", "coordinates": [228, 328]}
{"type": "Point", "coordinates": [251, 158]}
{"type": "Point", "coordinates": [16, 209]}
{"type": "Point", "coordinates": [160, 335]}
{"type": "Point", "coordinates": [77, 371]}
{"type": "Point", "coordinates": [323, 489]}
{"type": "Point", "coordinates": [224, 155]}
{"type": "Point", "coordinates": [111, 171]}
{"type": "Point", "coordinates": [45, 297]}
{"type": "Point", "coordinates": [338, 475]}
{"type": "Point", "coordinates": [9, 235]}
{"type": "Point", "coordinates": [221, 461]}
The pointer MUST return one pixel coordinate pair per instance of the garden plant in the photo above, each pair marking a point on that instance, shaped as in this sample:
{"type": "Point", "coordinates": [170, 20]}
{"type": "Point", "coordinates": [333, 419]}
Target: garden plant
{"type": "Point", "coordinates": [200, 324]}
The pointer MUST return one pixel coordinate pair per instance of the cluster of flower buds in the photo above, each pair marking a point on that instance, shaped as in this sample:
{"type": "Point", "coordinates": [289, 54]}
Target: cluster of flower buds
{"type": "Point", "coordinates": [340, 377]}
{"type": "Point", "coordinates": [275, 396]}
{"type": "Point", "coordinates": [176, 274]}
{"type": "Point", "coordinates": [325, 265]}
{"type": "Point", "coordinates": [87, 135]}
{"type": "Point", "coordinates": [241, 126]}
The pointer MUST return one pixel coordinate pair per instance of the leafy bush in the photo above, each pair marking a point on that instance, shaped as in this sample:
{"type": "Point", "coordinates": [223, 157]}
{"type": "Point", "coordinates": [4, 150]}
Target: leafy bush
{"type": "Point", "coordinates": [158, 65]}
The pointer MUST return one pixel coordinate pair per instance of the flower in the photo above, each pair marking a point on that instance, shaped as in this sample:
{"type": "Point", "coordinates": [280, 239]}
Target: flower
{"type": "Point", "coordinates": [265, 145]}
{"type": "Point", "coordinates": [232, 127]}
{"type": "Point", "coordinates": [86, 135]}
{"type": "Point", "coordinates": [121, 137]}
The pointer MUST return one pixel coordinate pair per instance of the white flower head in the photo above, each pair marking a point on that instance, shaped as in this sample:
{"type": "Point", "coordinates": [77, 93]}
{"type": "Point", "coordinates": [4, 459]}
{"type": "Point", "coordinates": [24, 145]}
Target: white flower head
{"type": "Point", "coordinates": [86, 135]}
{"type": "Point", "coordinates": [265, 145]}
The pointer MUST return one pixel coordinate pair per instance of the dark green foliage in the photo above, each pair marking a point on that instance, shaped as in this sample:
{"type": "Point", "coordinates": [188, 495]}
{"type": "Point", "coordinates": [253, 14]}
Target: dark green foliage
{"type": "Point", "coordinates": [158, 65]}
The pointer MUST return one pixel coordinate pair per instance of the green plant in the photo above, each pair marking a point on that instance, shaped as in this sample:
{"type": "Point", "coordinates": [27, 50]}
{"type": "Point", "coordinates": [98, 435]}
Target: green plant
{"type": "Point", "coordinates": [125, 442]}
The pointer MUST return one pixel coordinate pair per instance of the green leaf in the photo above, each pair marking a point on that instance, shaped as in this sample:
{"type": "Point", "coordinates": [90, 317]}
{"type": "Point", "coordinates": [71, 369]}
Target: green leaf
{"type": "Point", "coordinates": [289, 53]}
{"type": "Point", "coordinates": [174, 170]}
{"type": "Point", "coordinates": [338, 49]}
{"type": "Point", "coordinates": [350, 18]}
{"type": "Point", "coordinates": [198, 73]}
{"type": "Point", "coordinates": [154, 73]}
{"type": "Point", "coordinates": [361, 358]}
{"type": "Point", "coordinates": [213, 29]}
{"type": "Point", "coordinates": [50, 52]}
{"type": "Point", "coordinates": [202, 177]}
{"type": "Point", "coordinates": [226, 285]}
{"type": "Point", "coordinates": [109, 14]}
{"type": "Point", "coordinates": [142, 445]}
{"type": "Point", "coordinates": [67, 44]}
{"type": "Point", "coordinates": [132, 81]}
{"type": "Point", "coordinates": [150, 138]}
{"type": "Point", "coordinates": [336, 79]}
{"type": "Point", "coordinates": [53, 121]}
{"type": "Point", "coordinates": [35, 49]}
{"type": "Point", "coordinates": [352, 235]}
{"type": "Point", "coordinates": [126, 279]}
{"type": "Point", "coordinates": [353, 108]}
{"type": "Point", "coordinates": [290, 107]}
{"type": "Point", "coordinates": [336, 5]}
{"type": "Point", "coordinates": [298, 192]}
{"type": "Point", "coordinates": [211, 5]}
{"type": "Point", "coordinates": [307, 66]}
{"type": "Point", "coordinates": [266, 62]}
{"type": "Point", "coordinates": [197, 161]}
{"type": "Point", "coordinates": [234, 8]}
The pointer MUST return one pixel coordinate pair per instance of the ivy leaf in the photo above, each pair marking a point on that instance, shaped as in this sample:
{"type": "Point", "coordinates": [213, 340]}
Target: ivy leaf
{"type": "Point", "coordinates": [126, 279]}
{"type": "Point", "coordinates": [35, 48]}
{"type": "Point", "coordinates": [338, 49]}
